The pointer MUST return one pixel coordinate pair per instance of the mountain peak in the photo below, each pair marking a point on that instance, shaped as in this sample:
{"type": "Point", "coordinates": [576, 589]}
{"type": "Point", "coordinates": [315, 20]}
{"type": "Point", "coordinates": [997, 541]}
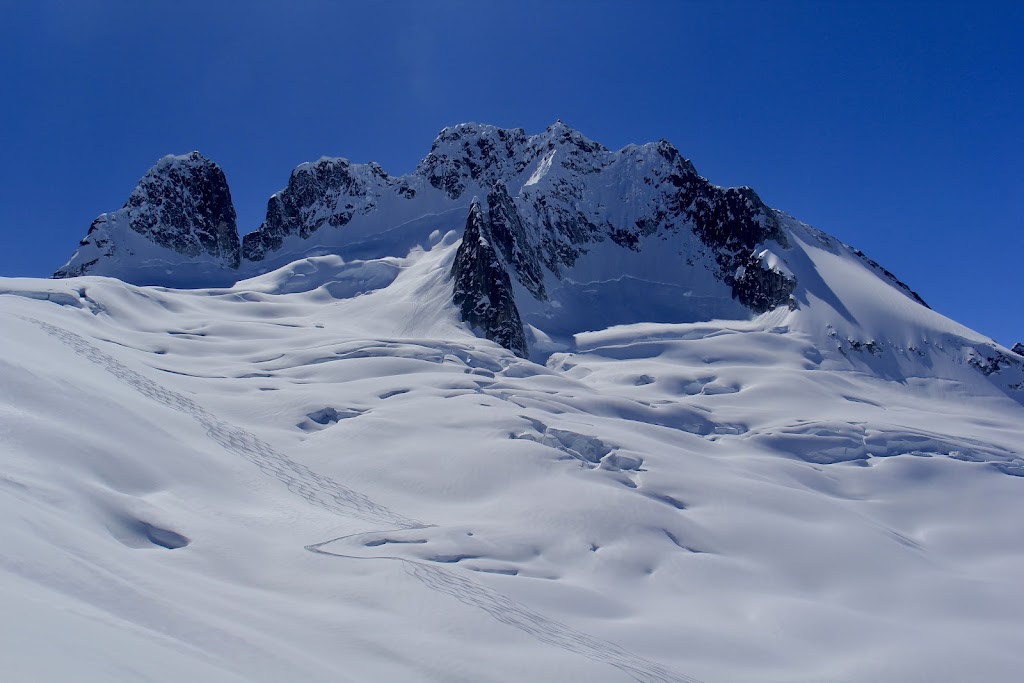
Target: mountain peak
{"type": "Point", "coordinates": [193, 157]}
{"type": "Point", "coordinates": [562, 133]}
{"type": "Point", "coordinates": [179, 215]}
{"type": "Point", "coordinates": [472, 130]}
{"type": "Point", "coordinates": [322, 162]}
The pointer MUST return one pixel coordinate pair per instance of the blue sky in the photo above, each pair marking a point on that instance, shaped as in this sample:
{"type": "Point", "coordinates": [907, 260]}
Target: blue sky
{"type": "Point", "coordinates": [895, 126]}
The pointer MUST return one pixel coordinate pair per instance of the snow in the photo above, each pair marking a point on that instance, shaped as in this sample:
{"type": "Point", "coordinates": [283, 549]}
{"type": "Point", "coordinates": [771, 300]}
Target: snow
{"type": "Point", "coordinates": [542, 168]}
{"type": "Point", "coordinates": [320, 474]}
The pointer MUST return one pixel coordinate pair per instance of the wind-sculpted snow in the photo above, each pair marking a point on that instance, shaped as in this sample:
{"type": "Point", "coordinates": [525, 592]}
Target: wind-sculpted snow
{"type": "Point", "coordinates": [540, 627]}
{"type": "Point", "coordinates": [300, 480]}
{"type": "Point", "coordinates": [519, 616]}
{"type": "Point", "coordinates": [632, 501]}
{"type": "Point", "coordinates": [831, 442]}
{"type": "Point", "coordinates": [339, 499]}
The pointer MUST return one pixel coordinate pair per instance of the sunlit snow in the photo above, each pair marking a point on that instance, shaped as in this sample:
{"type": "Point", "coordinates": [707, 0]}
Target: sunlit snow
{"type": "Point", "coordinates": [319, 474]}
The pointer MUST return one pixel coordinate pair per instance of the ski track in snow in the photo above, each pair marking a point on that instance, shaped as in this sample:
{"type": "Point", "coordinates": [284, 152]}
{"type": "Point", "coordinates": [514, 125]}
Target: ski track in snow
{"type": "Point", "coordinates": [328, 494]}
{"type": "Point", "coordinates": [299, 479]}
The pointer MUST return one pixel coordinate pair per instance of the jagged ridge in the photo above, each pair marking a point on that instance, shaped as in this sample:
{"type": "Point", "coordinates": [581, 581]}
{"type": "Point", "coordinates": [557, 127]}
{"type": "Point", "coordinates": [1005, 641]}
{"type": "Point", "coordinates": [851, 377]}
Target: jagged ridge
{"type": "Point", "coordinates": [558, 211]}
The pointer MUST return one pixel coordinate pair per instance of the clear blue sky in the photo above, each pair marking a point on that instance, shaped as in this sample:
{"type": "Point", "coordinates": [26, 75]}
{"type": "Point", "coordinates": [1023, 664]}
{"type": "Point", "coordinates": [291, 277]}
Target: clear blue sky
{"type": "Point", "coordinates": [895, 126]}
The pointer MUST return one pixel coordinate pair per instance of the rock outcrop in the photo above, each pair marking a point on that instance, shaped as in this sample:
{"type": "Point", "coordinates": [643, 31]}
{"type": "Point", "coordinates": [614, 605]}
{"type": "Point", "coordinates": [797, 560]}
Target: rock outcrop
{"type": "Point", "coordinates": [327, 193]}
{"type": "Point", "coordinates": [182, 206]}
{"type": "Point", "coordinates": [482, 287]}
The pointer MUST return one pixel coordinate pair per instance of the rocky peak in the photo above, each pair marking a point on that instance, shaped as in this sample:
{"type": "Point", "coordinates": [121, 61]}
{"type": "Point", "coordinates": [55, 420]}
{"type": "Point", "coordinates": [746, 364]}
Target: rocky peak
{"type": "Point", "coordinates": [559, 134]}
{"type": "Point", "coordinates": [473, 153]}
{"type": "Point", "coordinates": [181, 204]}
{"type": "Point", "coordinates": [482, 286]}
{"type": "Point", "coordinates": [329, 191]}
{"type": "Point", "coordinates": [1018, 349]}
{"type": "Point", "coordinates": [554, 197]}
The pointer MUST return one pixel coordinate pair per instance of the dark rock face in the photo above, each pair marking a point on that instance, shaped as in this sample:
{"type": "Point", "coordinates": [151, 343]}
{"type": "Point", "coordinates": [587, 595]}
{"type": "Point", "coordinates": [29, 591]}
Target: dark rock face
{"type": "Point", "coordinates": [731, 218]}
{"type": "Point", "coordinates": [483, 289]}
{"type": "Point", "coordinates": [992, 361]}
{"type": "Point", "coordinates": [1018, 349]}
{"type": "Point", "coordinates": [182, 204]}
{"type": "Point", "coordinates": [460, 154]}
{"type": "Point", "coordinates": [512, 238]}
{"type": "Point", "coordinates": [731, 222]}
{"type": "Point", "coordinates": [318, 194]}
{"type": "Point", "coordinates": [758, 288]}
{"type": "Point", "coordinates": [187, 208]}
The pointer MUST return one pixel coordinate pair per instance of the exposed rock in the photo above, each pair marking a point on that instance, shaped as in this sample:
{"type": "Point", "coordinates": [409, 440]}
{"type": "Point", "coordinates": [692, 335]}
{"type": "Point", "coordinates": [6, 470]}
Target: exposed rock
{"type": "Point", "coordinates": [562, 216]}
{"type": "Point", "coordinates": [760, 288]}
{"type": "Point", "coordinates": [474, 153]}
{"type": "Point", "coordinates": [733, 222]}
{"type": "Point", "coordinates": [483, 289]}
{"type": "Point", "coordinates": [992, 362]}
{"type": "Point", "coordinates": [186, 206]}
{"type": "Point", "coordinates": [182, 204]}
{"type": "Point", "coordinates": [512, 238]}
{"type": "Point", "coordinates": [1018, 349]}
{"type": "Point", "coordinates": [326, 192]}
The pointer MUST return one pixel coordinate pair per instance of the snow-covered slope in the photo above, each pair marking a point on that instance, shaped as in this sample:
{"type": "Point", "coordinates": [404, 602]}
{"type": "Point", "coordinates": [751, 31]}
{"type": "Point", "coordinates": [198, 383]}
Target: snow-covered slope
{"type": "Point", "coordinates": [322, 474]}
{"type": "Point", "coordinates": [738, 450]}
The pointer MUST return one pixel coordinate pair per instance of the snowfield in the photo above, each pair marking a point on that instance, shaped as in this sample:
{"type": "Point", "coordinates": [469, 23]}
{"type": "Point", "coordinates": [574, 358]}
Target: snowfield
{"type": "Point", "coordinates": [321, 474]}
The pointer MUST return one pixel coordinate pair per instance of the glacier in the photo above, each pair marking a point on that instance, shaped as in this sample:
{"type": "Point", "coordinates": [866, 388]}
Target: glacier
{"type": "Point", "coordinates": [309, 465]}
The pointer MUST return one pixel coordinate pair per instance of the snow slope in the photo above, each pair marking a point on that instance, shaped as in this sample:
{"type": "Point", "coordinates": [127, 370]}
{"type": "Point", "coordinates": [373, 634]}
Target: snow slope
{"type": "Point", "coordinates": [321, 474]}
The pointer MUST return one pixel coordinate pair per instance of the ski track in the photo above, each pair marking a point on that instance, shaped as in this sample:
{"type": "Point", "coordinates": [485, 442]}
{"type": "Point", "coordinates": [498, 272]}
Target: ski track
{"type": "Point", "coordinates": [299, 479]}
{"type": "Point", "coordinates": [328, 494]}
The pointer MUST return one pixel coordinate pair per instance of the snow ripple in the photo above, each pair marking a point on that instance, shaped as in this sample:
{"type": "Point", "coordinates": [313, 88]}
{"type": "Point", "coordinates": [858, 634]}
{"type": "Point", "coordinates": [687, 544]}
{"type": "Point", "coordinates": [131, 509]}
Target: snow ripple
{"type": "Point", "coordinates": [328, 494]}
{"type": "Point", "coordinates": [299, 479]}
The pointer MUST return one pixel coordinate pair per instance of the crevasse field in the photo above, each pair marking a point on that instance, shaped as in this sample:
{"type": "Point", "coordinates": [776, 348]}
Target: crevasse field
{"type": "Point", "coordinates": [320, 474]}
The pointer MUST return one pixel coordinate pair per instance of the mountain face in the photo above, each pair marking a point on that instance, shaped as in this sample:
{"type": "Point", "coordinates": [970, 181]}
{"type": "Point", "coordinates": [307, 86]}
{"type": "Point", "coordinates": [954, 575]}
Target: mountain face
{"type": "Point", "coordinates": [179, 216]}
{"type": "Point", "coordinates": [482, 287]}
{"type": "Point", "coordinates": [538, 410]}
{"type": "Point", "coordinates": [324, 194]}
{"type": "Point", "coordinates": [561, 236]}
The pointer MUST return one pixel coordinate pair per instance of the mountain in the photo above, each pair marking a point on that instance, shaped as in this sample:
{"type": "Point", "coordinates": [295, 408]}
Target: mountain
{"type": "Point", "coordinates": [571, 237]}
{"type": "Point", "coordinates": [538, 410]}
{"type": "Point", "coordinates": [177, 228]}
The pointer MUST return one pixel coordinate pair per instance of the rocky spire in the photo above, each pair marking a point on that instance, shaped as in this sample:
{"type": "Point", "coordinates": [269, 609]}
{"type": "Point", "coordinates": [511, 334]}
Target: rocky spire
{"type": "Point", "coordinates": [482, 287]}
{"type": "Point", "coordinates": [181, 205]}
